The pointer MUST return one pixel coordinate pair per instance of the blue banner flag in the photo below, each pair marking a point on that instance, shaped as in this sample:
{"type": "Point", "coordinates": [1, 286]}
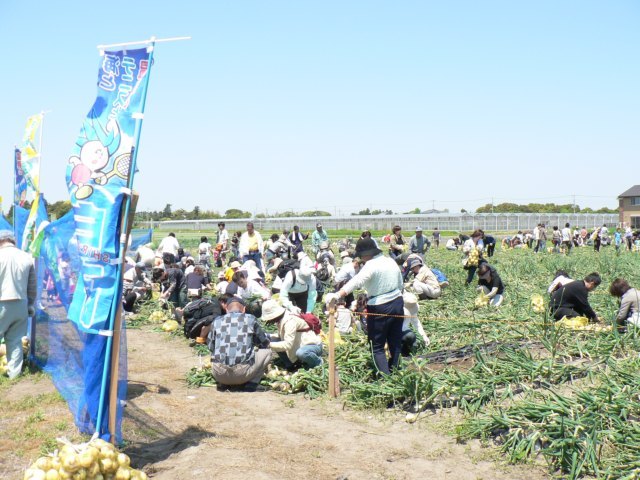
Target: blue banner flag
{"type": "Point", "coordinates": [97, 173]}
{"type": "Point", "coordinates": [138, 238]}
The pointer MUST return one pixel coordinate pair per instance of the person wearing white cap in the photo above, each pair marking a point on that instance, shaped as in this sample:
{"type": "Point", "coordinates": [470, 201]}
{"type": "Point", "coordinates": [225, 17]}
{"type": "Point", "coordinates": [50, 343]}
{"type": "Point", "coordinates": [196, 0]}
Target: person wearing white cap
{"type": "Point", "coordinates": [419, 243]}
{"type": "Point", "coordinates": [298, 291]}
{"type": "Point", "coordinates": [222, 284]}
{"type": "Point", "coordinates": [411, 310]}
{"type": "Point", "coordinates": [296, 341]}
{"type": "Point", "coordinates": [18, 291]}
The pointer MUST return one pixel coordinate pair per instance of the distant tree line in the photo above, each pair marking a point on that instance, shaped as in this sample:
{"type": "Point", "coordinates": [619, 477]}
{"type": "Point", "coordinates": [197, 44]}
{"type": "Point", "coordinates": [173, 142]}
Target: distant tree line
{"type": "Point", "coordinates": [55, 210]}
{"type": "Point", "coordinates": [540, 208]}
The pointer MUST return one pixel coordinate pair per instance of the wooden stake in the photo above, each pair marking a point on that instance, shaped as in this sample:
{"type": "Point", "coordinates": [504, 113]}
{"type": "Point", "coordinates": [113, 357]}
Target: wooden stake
{"type": "Point", "coordinates": [117, 328]}
{"type": "Point", "coordinates": [333, 389]}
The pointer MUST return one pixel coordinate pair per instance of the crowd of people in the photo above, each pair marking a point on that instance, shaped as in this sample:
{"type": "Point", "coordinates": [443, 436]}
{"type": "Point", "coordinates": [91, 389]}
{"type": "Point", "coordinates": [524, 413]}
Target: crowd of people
{"type": "Point", "coordinates": [564, 239]}
{"type": "Point", "coordinates": [281, 280]}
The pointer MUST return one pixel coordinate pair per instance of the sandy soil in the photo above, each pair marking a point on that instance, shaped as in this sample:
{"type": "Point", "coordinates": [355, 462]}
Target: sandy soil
{"type": "Point", "coordinates": [175, 432]}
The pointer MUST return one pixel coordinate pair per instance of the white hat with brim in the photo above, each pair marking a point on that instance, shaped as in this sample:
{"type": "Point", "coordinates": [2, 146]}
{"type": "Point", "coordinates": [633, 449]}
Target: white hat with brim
{"type": "Point", "coordinates": [409, 298]}
{"type": "Point", "coordinates": [411, 303]}
{"type": "Point", "coordinates": [276, 264]}
{"type": "Point", "coordinates": [271, 310]}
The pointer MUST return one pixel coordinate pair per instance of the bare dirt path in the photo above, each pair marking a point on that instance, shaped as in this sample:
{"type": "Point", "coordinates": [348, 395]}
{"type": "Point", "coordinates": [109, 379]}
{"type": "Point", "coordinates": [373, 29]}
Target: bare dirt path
{"type": "Point", "coordinates": [176, 432]}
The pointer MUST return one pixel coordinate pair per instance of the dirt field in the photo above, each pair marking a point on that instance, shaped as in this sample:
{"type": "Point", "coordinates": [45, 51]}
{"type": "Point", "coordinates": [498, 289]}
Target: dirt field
{"type": "Point", "coordinates": [174, 432]}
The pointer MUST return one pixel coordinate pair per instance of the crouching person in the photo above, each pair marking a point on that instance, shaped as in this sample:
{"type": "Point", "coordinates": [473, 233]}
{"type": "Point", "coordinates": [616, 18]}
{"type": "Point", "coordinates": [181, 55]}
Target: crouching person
{"type": "Point", "coordinates": [232, 341]}
{"type": "Point", "coordinates": [297, 343]}
{"type": "Point", "coordinates": [490, 284]}
{"type": "Point", "coordinates": [425, 282]}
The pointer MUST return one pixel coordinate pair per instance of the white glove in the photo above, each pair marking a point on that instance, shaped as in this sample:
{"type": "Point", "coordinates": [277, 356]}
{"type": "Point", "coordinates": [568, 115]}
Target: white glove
{"type": "Point", "coordinates": [295, 310]}
{"type": "Point", "coordinates": [329, 297]}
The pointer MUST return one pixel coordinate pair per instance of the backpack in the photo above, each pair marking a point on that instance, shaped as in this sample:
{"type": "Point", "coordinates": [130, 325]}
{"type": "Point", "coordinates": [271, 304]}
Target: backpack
{"type": "Point", "coordinates": [286, 266]}
{"type": "Point", "coordinates": [439, 275]}
{"type": "Point", "coordinates": [202, 307]}
{"type": "Point", "coordinates": [313, 323]}
{"type": "Point", "coordinates": [193, 326]}
{"type": "Point", "coordinates": [322, 274]}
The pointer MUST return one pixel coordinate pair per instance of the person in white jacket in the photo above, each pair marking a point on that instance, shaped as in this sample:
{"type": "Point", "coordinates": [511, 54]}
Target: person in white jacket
{"type": "Point", "coordinates": [18, 291]}
{"type": "Point", "coordinates": [251, 246]}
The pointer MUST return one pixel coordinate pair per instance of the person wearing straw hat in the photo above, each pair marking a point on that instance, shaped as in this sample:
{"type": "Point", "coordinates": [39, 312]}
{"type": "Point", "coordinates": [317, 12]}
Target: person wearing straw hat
{"type": "Point", "coordinates": [18, 292]}
{"type": "Point", "coordinates": [381, 278]}
{"type": "Point", "coordinates": [233, 267]}
{"type": "Point", "coordinates": [296, 342]}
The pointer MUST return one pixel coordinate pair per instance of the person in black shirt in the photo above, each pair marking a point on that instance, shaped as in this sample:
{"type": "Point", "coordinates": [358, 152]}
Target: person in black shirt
{"type": "Point", "coordinates": [491, 284]}
{"type": "Point", "coordinates": [173, 284]}
{"type": "Point", "coordinates": [489, 244]}
{"type": "Point", "coordinates": [572, 300]}
{"type": "Point", "coordinates": [196, 282]}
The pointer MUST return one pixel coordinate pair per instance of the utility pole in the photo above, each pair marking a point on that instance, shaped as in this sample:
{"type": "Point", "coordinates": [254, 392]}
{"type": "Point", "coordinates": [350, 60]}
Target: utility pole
{"type": "Point", "coordinates": [574, 203]}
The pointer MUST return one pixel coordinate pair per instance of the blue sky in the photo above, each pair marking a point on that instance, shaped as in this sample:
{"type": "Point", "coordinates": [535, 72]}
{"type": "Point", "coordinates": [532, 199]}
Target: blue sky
{"type": "Point", "coordinates": [342, 105]}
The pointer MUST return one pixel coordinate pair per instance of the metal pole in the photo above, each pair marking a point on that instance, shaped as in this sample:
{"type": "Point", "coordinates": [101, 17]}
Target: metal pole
{"type": "Point", "coordinates": [151, 41]}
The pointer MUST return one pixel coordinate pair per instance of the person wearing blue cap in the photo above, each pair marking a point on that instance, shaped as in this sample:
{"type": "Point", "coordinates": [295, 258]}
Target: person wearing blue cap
{"type": "Point", "coordinates": [18, 291]}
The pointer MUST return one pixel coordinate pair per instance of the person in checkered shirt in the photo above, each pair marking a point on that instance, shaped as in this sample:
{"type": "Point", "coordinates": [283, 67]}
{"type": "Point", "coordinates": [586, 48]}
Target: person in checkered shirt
{"type": "Point", "coordinates": [232, 341]}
